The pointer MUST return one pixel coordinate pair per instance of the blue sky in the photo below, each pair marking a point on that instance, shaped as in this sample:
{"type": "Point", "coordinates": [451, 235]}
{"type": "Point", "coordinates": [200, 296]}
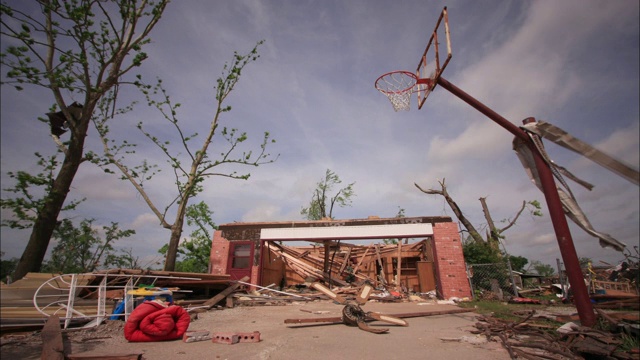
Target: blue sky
{"type": "Point", "coordinates": [574, 64]}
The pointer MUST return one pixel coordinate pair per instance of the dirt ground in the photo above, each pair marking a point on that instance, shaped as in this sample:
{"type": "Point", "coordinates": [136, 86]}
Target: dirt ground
{"type": "Point", "coordinates": [435, 337]}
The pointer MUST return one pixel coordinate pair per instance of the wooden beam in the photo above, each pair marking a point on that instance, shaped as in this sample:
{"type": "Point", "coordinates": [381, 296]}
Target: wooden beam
{"type": "Point", "coordinates": [382, 276]}
{"type": "Point", "coordinates": [338, 320]}
{"type": "Point", "coordinates": [224, 293]}
{"type": "Point", "coordinates": [100, 356]}
{"type": "Point", "coordinates": [399, 271]}
{"type": "Point", "coordinates": [345, 262]}
{"type": "Point", "coordinates": [325, 262]}
{"type": "Point", "coordinates": [362, 258]}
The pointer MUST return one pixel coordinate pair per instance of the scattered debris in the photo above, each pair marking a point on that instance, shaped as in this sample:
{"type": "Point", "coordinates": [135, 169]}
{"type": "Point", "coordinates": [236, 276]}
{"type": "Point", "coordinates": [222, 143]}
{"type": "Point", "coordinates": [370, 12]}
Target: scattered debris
{"type": "Point", "coordinates": [338, 320]}
{"type": "Point", "coordinates": [527, 340]}
{"type": "Point", "coordinates": [223, 294]}
{"type": "Point", "coordinates": [475, 340]}
{"type": "Point", "coordinates": [521, 300]}
{"type": "Point", "coordinates": [352, 313]}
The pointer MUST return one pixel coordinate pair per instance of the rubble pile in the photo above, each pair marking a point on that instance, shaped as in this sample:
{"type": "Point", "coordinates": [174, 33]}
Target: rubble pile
{"type": "Point", "coordinates": [530, 338]}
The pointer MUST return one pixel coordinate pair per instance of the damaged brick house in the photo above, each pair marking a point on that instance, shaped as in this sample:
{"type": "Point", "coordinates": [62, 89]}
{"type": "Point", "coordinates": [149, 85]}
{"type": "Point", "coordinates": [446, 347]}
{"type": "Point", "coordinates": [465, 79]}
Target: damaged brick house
{"type": "Point", "coordinates": [428, 255]}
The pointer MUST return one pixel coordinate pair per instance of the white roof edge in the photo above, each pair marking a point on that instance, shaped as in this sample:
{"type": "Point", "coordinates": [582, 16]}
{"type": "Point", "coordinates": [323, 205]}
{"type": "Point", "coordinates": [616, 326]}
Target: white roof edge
{"type": "Point", "coordinates": [348, 232]}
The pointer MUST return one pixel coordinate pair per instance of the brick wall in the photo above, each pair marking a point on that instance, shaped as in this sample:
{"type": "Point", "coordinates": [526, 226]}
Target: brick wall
{"type": "Point", "coordinates": [451, 274]}
{"type": "Point", "coordinates": [219, 257]}
{"type": "Point", "coordinates": [219, 254]}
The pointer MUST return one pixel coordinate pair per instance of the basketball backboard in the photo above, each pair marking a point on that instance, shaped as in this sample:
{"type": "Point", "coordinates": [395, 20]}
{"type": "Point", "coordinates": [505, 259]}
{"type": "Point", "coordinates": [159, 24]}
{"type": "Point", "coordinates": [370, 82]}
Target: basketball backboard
{"type": "Point", "coordinates": [431, 64]}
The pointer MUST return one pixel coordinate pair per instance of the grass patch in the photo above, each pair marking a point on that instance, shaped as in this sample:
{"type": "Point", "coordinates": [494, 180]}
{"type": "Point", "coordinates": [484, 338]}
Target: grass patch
{"type": "Point", "coordinates": [503, 310]}
{"type": "Point", "coordinates": [629, 342]}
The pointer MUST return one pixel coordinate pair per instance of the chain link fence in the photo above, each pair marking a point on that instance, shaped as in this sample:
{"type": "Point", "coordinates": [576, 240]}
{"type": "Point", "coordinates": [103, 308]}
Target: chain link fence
{"type": "Point", "coordinates": [491, 281]}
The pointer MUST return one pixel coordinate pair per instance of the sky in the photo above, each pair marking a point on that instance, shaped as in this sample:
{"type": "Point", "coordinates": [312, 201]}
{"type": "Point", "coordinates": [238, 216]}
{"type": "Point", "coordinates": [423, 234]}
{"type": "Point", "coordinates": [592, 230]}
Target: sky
{"type": "Point", "coordinates": [574, 64]}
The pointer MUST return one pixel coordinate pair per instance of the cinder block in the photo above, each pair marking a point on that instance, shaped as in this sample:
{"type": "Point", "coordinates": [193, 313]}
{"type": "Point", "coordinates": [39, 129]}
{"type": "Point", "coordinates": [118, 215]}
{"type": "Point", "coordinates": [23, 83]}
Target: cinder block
{"type": "Point", "coordinates": [250, 337]}
{"type": "Point", "coordinates": [196, 335]}
{"type": "Point", "coordinates": [225, 338]}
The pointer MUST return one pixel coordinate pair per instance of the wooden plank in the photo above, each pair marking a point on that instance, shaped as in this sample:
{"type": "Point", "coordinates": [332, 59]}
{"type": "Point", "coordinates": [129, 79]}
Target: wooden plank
{"type": "Point", "coordinates": [355, 271]}
{"type": "Point", "coordinates": [382, 276]}
{"type": "Point", "coordinates": [265, 288]}
{"type": "Point", "coordinates": [399, 271]}
{"type": "Point", "coordinates": [52, 346]}
{"type": "Point", "coordinates": [338, 320]}
{"type": "Point", "coordinates": [335, 320]}
{"type": "Point", "coordinates": [102, 356]}
{"type": "Point", "coordinates": [345, 262]}
{"type": "Point", "coordinates": [426, 278]}
{"type": "Point", "coordinates": [613, 323]}
{"type": "Point", "coordinates": [308, 270]}
{"type": "Point", "coordinates": [224, 293]}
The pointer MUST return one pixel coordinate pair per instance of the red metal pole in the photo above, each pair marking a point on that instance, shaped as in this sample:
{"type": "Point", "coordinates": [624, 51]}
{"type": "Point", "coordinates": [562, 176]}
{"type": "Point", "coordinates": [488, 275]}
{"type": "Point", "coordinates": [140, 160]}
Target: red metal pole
{"type": "Point", "coordinates": [560, 226]}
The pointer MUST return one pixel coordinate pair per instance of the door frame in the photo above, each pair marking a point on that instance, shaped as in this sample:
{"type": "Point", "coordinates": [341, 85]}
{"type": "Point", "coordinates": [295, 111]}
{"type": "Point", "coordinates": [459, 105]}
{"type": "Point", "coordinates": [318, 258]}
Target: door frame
{"type": "Point", "coordinates": [239, 273]}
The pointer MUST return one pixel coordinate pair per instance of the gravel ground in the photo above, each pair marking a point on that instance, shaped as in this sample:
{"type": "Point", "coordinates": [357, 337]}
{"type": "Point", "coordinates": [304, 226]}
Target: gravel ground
{"type": "Point", "coordinates": [435, 337]}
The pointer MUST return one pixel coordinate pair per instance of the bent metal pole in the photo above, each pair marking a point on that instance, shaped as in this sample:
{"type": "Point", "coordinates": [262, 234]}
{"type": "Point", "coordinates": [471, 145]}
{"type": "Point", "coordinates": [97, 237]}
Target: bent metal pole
{"type": "Point", "coordinates": [560, 226]}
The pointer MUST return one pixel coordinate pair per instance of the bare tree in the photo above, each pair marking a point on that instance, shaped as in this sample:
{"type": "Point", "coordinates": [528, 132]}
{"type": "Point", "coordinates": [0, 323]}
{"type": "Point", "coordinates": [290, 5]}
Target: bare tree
{"type": "Point", "coordinates": [494, 235]}
{"type": "Point", "coordinates": [199, 166]}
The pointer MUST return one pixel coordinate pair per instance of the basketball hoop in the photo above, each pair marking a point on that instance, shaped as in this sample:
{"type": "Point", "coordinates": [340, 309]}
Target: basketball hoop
{"type": "Point", "coordinates": [398, 87]}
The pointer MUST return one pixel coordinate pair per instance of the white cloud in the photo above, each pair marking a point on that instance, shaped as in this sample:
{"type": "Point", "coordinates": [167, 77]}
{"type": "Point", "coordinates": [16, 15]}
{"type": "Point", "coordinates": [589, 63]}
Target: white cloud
{"type": "Point", "coordinates": [145, 220]}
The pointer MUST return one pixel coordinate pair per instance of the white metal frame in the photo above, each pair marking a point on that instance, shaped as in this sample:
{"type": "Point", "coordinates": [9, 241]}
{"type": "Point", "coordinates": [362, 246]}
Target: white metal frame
{"type": "Point", "coordinates": [67, 286]}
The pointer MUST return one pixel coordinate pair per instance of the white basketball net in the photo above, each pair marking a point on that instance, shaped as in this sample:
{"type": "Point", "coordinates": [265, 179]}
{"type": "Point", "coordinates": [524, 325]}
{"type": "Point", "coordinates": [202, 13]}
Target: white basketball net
{"type": "Point", "coordinates": [398, 87]}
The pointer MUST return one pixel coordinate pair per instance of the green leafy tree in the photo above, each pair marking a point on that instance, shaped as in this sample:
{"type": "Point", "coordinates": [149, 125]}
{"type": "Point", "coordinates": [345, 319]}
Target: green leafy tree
{"type": "Point", "coordinates": [543, 269]}
{"type": "Point", "coordinates": [7, 267]}
{"type": "Point", "coordinates": [81, 249]}
{"type": "Point", "coordinates": [480, 252]}
{"type": "Point", "coordinates": [518, 263]}
{"type": "Point", "coordinates": [124, 260]}
{"type": "Point", "coordinates": [26, 198]}
{"type": "Point", "coordinates": [584, 262]}
{"type": "Point", "coordinates": [194, 252]}
{"type": "Point", "coordinates": [189, 167]}
{"type": "Point", "coordinates": [75, 49]}
{"type": "Point", "coordinates": [322, 202]}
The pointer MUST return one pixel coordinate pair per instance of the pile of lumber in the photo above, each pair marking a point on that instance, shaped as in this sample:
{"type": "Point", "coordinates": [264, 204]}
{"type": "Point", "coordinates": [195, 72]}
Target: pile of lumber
{"type": "Point", "coordinates": [17, 310]}
{"type": "Point", "coordinates": [607, 301]}
{"type": "Point", "coordinates": [309, 264]}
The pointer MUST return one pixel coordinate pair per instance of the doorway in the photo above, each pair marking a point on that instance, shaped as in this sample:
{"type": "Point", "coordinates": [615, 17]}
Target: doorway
{"type": "Point", "coordinates": [240, 259]}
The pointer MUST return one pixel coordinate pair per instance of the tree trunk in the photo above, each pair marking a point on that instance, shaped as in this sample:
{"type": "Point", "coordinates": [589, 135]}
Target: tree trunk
{"type": "Point", "coordinates": [44, 225]}
{"type": "Point", "coordinates": [172, 250]}
{"type": "Point", "coordinates": [456, 210]}
{"type": "Point", "coordinates": [493, 237]}
{"type": "Point", "coordinates": [176, 232]}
